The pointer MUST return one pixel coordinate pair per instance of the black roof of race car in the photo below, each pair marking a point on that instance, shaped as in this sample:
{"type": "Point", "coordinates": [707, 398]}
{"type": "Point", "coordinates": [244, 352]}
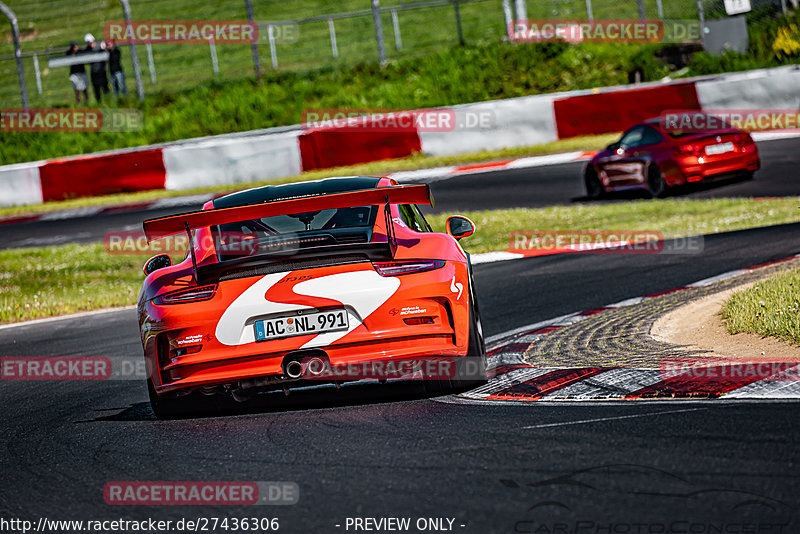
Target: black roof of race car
{"type": "Point", "coordinates": [271, 193]}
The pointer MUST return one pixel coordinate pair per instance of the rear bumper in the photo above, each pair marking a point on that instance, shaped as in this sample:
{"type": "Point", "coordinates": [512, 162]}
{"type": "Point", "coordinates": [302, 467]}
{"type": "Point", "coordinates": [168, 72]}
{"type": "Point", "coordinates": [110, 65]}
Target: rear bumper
{"type": "Point", "coordinates": [729, 166]}
{"type": "Point", "coordinates": [270, 365]}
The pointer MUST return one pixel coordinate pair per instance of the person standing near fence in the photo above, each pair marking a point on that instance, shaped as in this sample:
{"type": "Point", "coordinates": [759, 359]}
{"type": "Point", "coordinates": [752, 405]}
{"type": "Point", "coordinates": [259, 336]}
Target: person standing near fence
{"type": "Point", "coordinates": [97, 68]}
{"type": "Point", "coordinates": [77, 75]}
{"type": "Point", "coordinates": [115, 69]}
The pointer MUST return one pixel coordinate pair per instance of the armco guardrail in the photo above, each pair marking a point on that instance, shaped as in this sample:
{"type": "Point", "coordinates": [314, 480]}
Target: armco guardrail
{"type": "Point", "coordinates": [264, 154]}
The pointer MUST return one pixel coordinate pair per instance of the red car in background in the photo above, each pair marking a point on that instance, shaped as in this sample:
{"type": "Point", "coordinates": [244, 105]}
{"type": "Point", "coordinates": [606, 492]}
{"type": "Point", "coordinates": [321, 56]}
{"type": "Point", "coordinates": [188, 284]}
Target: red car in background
{"type": "Point", "coordinates": [652, 157]}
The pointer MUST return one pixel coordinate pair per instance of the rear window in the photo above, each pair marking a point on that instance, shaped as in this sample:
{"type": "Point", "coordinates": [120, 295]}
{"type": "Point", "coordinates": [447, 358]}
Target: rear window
{"type": "Point", "coordinates": [286, 234]}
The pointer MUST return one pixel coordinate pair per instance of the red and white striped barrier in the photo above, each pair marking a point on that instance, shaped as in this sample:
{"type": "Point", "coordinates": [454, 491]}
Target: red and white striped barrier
{"type": "Point", "coordinates": [250, 156]}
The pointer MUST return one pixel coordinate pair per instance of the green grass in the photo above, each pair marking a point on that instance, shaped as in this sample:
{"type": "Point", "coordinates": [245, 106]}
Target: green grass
{"type": "Point", "coordinates": [376, 168]}
{"type": "Point", "coordinates": [770, 308]}
{"type": "Point", "coordinates": [672, 217]}
{"type": "Point", "coordinates": [41, 282]}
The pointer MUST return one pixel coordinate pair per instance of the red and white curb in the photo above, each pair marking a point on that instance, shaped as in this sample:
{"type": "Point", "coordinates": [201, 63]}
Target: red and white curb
{"type": "Point", "coordinates": [514, 380]}
{"type": "Point", "coordinates": [505, 255]}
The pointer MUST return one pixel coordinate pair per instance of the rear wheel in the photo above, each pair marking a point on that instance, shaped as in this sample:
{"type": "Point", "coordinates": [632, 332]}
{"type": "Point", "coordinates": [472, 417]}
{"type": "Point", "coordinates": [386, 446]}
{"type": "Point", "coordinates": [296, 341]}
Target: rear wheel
{"type": "Point", "coordinates": [166, 407]}
{"type": "Point", "coordinates": [656, 185]}
{"type": "Point", "coordinates": [594, 187]}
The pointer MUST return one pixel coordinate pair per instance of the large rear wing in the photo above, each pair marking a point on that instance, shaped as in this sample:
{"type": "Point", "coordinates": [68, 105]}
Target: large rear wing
{"type": "Point", "coordinates": [399, 194]}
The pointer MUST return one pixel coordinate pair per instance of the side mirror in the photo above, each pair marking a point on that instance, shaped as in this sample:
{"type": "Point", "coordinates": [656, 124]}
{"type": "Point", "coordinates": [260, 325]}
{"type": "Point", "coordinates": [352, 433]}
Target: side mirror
{"type": "Point", "coordinates": [156, 262]}
{"type": "Point", "coordinates": [613, 146]}
{"type": "Point", "coordinates": [458, 226]}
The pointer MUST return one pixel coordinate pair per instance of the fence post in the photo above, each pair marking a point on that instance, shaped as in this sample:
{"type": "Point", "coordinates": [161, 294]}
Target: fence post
{"type": "Point", "coordinates": [589, 13]}
{"type": "Point", "coordinates": [508, 18]}
{"type": "Point", "coordinates": [640, 4]}
{"type": "Point", "coordinates": [522, 9]}
{"type": "Point", "coordinates": [702, 18]}
{"type": "Point", "coordinates": [458, 23]}
{"type": "Point", "coordinates": [12, 18]}
{"type": "Point", "coordinates": [398, 41]}
{"type": "Point", "coordinates": [272, 52]}
{"type": "Point", "coordinates": [137, 71]}
{"type": "Point", "coordinates": [151, 64]}
{"type": "Point", "coordinates": [37, 72]}
{"type": "Point", "coordinates": [376, 18]}
{"type": "Point", "coordinates": [332, 31]}
{"type": "Point", "coordinates": [212, 48]}
{"type": "Point", "coordinates": [253, 44]}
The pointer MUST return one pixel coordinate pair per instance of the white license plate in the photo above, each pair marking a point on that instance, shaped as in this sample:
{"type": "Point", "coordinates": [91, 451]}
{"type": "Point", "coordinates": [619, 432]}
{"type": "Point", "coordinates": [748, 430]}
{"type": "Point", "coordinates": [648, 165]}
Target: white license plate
{"type": "Point", "coordinates": [302, 324]}
{"type": "Point", "coordinates": [721, 148]}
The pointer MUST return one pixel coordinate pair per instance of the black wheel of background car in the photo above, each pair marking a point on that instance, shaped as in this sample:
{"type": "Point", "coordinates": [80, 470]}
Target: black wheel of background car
{"type": "Point", "coordinates": [166, 407]}
{"type": "Point", "coordinates": [470, 370]}
{"type": "Point", "coordinates": [656, 185]}
{"type": "Point", "coordinates": [594, 187]}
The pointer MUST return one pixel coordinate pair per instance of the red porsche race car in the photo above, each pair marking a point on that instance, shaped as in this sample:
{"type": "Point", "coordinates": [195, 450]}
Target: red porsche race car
{"type": "Point", "coordinates": [654, 157]}
{"type": "Point", "coordinates": [286, 286]}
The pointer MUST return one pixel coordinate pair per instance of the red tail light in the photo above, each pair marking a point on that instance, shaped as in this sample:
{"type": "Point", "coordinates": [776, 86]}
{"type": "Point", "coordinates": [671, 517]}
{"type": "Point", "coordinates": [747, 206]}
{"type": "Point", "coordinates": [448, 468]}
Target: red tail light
{"type": "Point", "coordinates": [742, 140]}
{"type": "Point", "coordinates": [396, 268]}
{"type": "Point", "coordinates": [418, 320]}
{"type": "Point", "coordinates": [193, 294]}
{"type": "Point", "coordinates": [688, 150]}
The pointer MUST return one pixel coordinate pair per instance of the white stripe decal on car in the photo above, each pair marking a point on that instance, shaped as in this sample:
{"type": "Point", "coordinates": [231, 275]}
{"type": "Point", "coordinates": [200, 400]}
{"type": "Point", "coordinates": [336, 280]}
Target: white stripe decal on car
{"type": "Point", "coordinates": [233, 327]}
{"type": "Point", "coordinates": [365, 291]}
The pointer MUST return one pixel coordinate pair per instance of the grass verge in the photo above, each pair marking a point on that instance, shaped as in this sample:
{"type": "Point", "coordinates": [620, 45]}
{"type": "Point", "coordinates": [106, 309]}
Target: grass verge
{"type": "Point", "coordinates": [48, 281]}
{"type": "Point", "coordinates": [770, 309]}
{"type": "Point", "coordinates": [411, 163]}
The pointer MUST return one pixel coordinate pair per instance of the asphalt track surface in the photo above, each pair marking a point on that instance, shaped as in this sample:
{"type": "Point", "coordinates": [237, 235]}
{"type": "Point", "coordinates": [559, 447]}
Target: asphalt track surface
{"type": "Point", "coordinates": [533, 187]}
{"type": "Point", "coordinates": [390, 451]}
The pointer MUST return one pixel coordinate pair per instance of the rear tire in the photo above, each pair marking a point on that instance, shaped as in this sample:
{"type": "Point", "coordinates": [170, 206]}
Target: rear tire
{"type": "Point", "coordinates": [166, 407]}
{"type": "Point", "coordinates": [656, 185]}
{"type": "Point", "coordinates": [594, 187]}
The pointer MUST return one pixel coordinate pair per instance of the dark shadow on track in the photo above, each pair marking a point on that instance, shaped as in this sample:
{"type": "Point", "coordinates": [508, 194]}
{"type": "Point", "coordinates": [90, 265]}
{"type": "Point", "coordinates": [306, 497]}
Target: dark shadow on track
{"type": "Point", "coordinates": [677, 191]}
{"type": "Point", "coordinates": [276, 401]}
